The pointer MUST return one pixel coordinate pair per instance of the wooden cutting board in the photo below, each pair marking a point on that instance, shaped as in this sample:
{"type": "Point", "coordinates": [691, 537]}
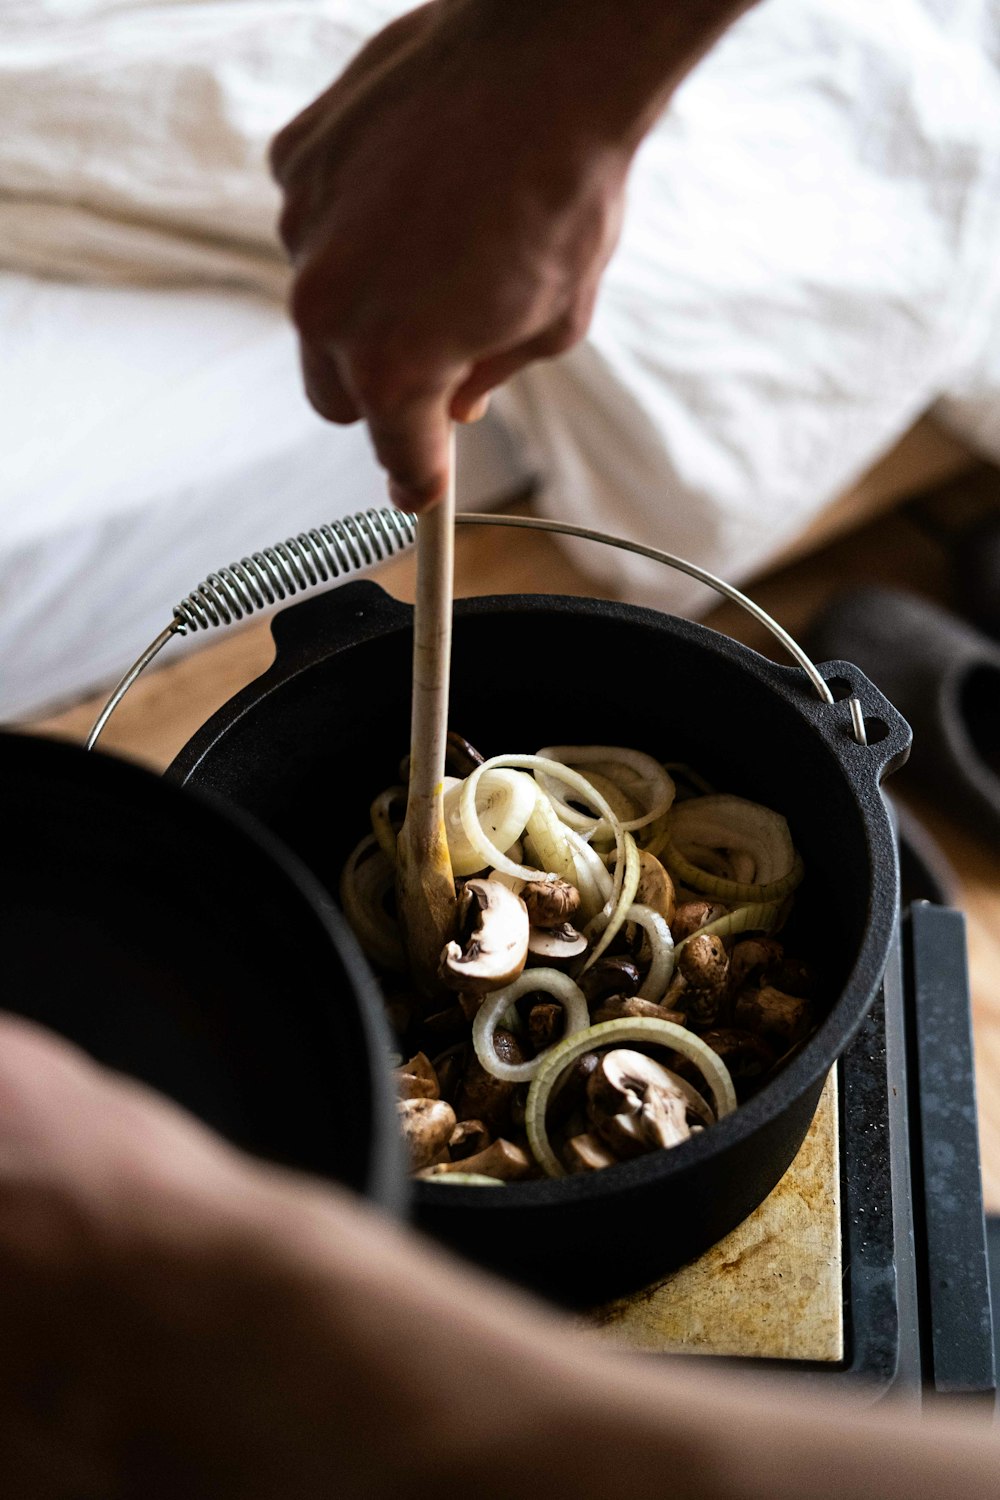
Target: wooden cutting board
{"type": "Point", "coordinates": [772, 1288]}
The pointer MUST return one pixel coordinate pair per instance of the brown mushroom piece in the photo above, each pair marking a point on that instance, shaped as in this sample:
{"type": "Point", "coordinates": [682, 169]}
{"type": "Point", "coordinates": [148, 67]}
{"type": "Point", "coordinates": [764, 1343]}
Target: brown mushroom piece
{"type": "Point", "coordinates": [555, 945]}
{"type": "Point", "coordinates": [502, 1160]}
{"type": "Point", "coordinates": [417, 1079]}
{"type": "Point", "coordinates": [655, 889]}
{"type": "Point", "coordinates": [635, 1105]}
{"type": "Point", "coordinates": [585, 1153]}
{"type": "Point", "coordinates": [550, 903]}
{"type": "Point", "coordinates": [620, 1007]}
{"type": "Point", "coordinates": [483, 1097]}
{"type": "Point", "coordinates": [746, 1056]}
{"type": "Point", "coordinates": [546, 1024]}
{"type": "Point", "coordinates": [753, 959]}
{"type": "Point", "coordinates": [771, 1013]}
{"type": "Point", "coordinates": [426, 1125]}
{"type": "Point", "coordinates": [690, 915]}
{"type": "Point", "coordinates": [611, 975]}
{"type": "Point", "coordinates": [467, 1139]}
{"type": "Point", "coordinates": [701, 982]}
{"type": "Point", "coordinates": [493, 922]}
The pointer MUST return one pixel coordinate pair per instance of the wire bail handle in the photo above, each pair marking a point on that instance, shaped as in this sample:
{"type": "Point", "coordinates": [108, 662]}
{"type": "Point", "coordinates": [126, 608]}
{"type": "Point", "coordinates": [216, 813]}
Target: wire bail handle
{"type": "Point", "coordinates": [361, 541]}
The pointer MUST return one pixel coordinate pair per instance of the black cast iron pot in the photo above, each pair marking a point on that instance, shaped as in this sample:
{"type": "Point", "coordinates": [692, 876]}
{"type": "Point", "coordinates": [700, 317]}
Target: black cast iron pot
{"type": "Point", "coordinates": [174, 940]}
{"type": "Point", "coordinates": [307, 745]}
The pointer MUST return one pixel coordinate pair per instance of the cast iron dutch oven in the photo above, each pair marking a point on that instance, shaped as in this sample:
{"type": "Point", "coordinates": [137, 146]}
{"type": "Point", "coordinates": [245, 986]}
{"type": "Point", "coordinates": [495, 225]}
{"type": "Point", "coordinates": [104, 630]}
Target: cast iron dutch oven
{"type": "Point", "coordinates": [172, 939]}
{"type": "Point", "coordinates": [306, 746]}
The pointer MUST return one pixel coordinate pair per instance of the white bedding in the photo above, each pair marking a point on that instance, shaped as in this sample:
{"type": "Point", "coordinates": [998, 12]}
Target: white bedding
{"type": "Point", "coordinates": [809, 262]}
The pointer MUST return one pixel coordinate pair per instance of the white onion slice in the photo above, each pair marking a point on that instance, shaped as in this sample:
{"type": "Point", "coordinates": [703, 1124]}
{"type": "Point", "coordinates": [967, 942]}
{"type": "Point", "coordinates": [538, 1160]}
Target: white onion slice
{"type": "Point", "coordinates": [661, 942]}
{"type": "Point", "coordinates": [381, 815]}
{"type": "Point", "coordinates": [609, 1033]}
{"type": "Point", "coordinates": [703, 825]}
{"type": "Point", "coordinates": [367, 879]}
{"type": "Point", "coordinates": [579, 784]}
{"type": "Point", "coordinates": [636, 774]}
{"type": "Point", "coordinates": [545, 981]}
{"type": "Point", "coordinates": [548, 838]}
{"type": "Point", "coordinates": [608, 923]}
{"type": "Point", "coordinates": [759, 917]}
{"type": "Point", "coordinates": [591, 876]}
{"type": "Point", "coordinates": [504, 801]}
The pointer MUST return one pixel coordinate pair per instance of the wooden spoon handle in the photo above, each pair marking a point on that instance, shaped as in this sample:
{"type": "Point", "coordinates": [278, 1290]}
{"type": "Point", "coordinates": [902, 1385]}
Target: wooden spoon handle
{"type": "Point", "coordinates": [425, 885]}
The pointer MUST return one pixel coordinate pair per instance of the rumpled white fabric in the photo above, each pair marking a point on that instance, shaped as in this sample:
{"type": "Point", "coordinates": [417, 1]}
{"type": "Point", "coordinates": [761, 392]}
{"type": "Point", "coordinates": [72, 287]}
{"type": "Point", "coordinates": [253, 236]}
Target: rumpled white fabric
{"type": "Point", "coordinates": [809, 259]}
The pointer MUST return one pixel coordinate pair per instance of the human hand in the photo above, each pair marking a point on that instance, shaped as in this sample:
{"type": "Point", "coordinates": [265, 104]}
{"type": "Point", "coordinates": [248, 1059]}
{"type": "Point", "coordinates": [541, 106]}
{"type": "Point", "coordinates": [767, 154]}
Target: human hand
{"type": "Point", "coordinates": [450, 204]}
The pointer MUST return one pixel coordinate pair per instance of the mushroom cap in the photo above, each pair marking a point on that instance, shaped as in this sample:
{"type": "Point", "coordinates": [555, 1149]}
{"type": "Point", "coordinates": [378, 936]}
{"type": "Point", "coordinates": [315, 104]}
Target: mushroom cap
{"type": "Point", "coordinates": [656, 889]}
{"type": "Point", "coordinates": [550, 903]}
{"type": "Point", "coordinates": [495, 928]}
{"type": "Point", "coordinates": [556, 943]}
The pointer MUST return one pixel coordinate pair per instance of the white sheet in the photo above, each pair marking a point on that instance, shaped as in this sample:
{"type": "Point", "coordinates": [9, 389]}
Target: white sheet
{"type": "Point", "coordinates": [809, 261]}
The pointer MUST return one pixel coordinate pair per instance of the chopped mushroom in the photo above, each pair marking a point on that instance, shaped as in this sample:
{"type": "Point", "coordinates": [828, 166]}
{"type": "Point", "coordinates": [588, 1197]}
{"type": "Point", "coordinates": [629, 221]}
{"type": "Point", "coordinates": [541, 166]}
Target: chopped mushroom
{"type": "Point", "coordinates": [483, 1097]}
{"type": "Point", "coordinates": [468, 1138]}
{"type": "Point", "coordinates": [656, 889]}
{"type": "Point", "coordinates": [556, 945]}
{"type": "Point", "coordinates": [550, 903]}
{"type": "Point", "coordinates": [611, 975]}
{"type": "Point", "coordinates": [771, 1013]}
{"type": "Point", "coordinates": [700, 984]}
{"type": "Point", "coordinates": [494, 927]}
{"type": "Point", "coordinates": [585, 1153]}
{"type": "Point", "coordinates": [427, 1125]}
{"type": "Point", "coordinates": [417, 1079]}
{"type": "Point", "coordinates": [546, 1024]}
{"type": "Point", "coordinates": [620, 1006]}
{"type": "Point", "coordinates": [503, 1160]}
{"type": "Point", "coordinates": [635, 1105]}
{"type": "Point", "coordinates": [690, 915]}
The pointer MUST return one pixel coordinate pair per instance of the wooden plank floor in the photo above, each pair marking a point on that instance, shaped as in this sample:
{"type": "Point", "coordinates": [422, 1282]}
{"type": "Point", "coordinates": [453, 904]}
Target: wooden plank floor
{"type": "Point", "coordinates": [166, 706]}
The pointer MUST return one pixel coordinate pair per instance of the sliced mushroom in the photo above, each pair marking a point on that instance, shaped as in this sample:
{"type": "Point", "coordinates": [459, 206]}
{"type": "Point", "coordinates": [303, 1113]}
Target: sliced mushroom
{"type": "Point", "coordinates": [546, 1023]}
{"type": "Point", "coordinates": [585, 1153]}
{"type": "Point", "coordinates": [753, 958]}
{"type": "Point", "coordinates": [618, 1007]}
{"type": "Point", "coordinates": [427, 1125]}
{"type": "Point", "coordinates": [771, 1013]}
{"type": "Point", "coordinates": [700, 985]}
{"type": "Point", "coordinates": [483, 1097]}
{"type": "Point", "coordinates": [494, 927]}
{"type": "Point", "coordinates": [467, 1139]}
{"type": "Point", "coordinates": [690, 915]}
{"type": "Point", "coordinates": [635, 1104]}
{"type": "Point", "coordinates": [550, 903]}
{"type": "Point", "coordinates": [610, 976]}
{"type": "Point", "coordinates": [421, 1068]}
{"type": "Point", "coordinates": [656, 889]}
{"type": "Point", "coordinates": [503, 1160]}
{"type": "Point", "coordinates": [554, 945]}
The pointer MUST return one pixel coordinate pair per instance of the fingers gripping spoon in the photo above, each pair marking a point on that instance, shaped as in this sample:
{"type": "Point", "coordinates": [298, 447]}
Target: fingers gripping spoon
{"type": "Point", "coordinates": [425, 886]}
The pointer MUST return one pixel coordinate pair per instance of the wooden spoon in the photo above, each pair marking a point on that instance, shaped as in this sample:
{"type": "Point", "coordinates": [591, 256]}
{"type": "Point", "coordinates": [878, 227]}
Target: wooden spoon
{"type": "Point", "coordinates": [425, 885]}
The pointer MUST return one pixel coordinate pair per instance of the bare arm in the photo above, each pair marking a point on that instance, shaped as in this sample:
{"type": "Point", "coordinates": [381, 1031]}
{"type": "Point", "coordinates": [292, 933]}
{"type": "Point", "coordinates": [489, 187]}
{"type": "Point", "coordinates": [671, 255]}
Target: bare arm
{"type": "Point", "coordinates": [452, 200]}
{"type": "Point", "coordinates": [176, 1320]}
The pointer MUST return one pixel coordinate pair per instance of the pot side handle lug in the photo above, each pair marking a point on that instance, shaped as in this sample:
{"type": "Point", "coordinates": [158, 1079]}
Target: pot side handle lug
{"type": "Point", "coordinates": [887, 733]}
{"type": "Point", "coordinates": [327, 623]}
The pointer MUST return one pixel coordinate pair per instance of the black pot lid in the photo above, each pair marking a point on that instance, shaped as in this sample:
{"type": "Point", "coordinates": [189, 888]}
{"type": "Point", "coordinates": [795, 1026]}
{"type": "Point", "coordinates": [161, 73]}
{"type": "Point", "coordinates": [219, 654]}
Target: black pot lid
{"type": "Point", "coordinates": [176, 941]}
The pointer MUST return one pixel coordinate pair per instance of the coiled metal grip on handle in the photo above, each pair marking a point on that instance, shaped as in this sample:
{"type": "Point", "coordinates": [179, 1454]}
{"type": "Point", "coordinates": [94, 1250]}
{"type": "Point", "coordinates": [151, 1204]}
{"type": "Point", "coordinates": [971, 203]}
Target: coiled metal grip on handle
{"type": "Point", "coordinates": [369, 537]}
{"type": "Point", "coordinates": [290, 567]}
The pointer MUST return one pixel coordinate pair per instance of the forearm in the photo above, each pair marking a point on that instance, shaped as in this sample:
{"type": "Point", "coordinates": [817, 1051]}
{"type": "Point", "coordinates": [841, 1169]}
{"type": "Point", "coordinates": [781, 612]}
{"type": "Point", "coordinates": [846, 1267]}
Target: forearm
{"type": "Point", "coordinates": [607, 67]}
{"type": "Point", "coordinates": [471, 1388]}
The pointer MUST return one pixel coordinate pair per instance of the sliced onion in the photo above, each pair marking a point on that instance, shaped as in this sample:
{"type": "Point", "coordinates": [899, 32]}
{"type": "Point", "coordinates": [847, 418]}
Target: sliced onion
{"type": "Point", "coordinates": [661, 942]}
{"type": "Point", "coordinates": [547, 982]}
{"type": "Point", "coordinates": [760, 917]}
{"type": "Point", "coordinates": [647, 778]}
{"type": "Point", "coordinates": [549, 843]}
{"type": "Point", "coordinates": [608, 1033]}
{"type": "Point", "coordinates": [367, 879]}
{"type": "Point", "coordinates": [503, 803]}
{"type": "Point", "coordinates": [381, 815]}
{"type": "Point", "coordinates": [608, 924]}
{"type": "Point", "coordinates": [580, 784]}
{"type": "Point", "coordinates": [460, 1179]}
{"type": "Point", "coordinates": [591, 876]}
{"type": "Point", "coordinates": [756, 834]}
